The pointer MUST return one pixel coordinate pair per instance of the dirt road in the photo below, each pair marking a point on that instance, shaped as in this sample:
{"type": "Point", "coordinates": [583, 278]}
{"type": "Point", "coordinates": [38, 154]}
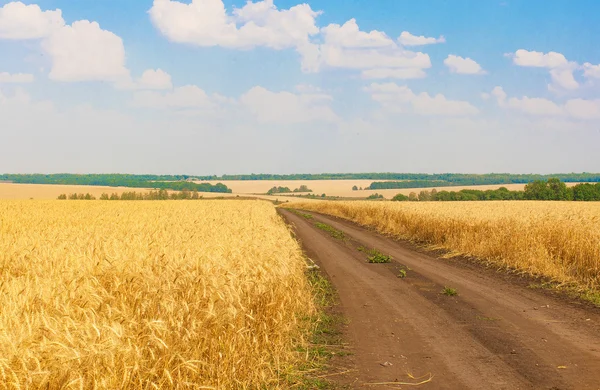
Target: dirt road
{"type": "Point", "coordinates": [495, 334]}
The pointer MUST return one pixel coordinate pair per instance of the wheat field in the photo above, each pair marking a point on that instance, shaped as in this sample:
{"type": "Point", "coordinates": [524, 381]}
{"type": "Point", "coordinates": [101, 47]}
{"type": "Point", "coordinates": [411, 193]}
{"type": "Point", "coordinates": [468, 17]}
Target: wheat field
{"type": "Point", "coordinates": [559, 240]}
{"type": "Point", "coordinates": [148, 295]}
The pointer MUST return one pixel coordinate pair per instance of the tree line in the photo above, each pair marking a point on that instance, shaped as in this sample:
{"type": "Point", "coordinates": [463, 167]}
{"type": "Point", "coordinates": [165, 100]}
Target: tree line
{"type": "Point", "coordinates": [133, 195]}
{"type": "Point", "coordinates": [166, 182]}
{"type": "Point", "coordinates": [286, 190]}
{"type": "Point", "coordinates": [448, 180]}
{"type": "Point", "coordinates": [551, 189]}
{"type": "Point", "coordinates": [458, 178]}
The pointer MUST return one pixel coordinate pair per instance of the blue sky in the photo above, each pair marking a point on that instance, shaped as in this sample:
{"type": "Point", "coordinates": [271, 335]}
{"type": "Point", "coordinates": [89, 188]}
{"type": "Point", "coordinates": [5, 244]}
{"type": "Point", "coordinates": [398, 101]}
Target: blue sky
{"type": "Point", "coordinates": [212, 87]}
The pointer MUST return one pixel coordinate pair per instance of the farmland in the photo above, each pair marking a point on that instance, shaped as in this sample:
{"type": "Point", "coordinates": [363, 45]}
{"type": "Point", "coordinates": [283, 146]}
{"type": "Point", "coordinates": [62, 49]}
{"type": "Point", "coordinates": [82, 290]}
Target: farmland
{"type": "Point", "coordinates": [148, 295]}
{"type": "Point", "coordinates": [557, 240]}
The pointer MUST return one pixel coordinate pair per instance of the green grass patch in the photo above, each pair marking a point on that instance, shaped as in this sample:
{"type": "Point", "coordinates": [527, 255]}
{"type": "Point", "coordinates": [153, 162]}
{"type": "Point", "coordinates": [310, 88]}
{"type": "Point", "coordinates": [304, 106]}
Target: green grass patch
{"type": "Point", "coordinates": [331, 230]}
{"type": "Point", "coordinates": [375, 256]}
{"type": "Point", "coordinates": [325, 338]}
{"type": "Point", "coordinates": [449, 291]}
{"type": "Point", "coordinates": [301, 214]}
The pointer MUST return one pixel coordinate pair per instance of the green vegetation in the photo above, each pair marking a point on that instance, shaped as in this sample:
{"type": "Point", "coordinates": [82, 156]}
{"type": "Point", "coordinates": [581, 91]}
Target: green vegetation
{"type": "Point", "coordinates": [374, 196]}
{"type": "Point", "coordinates": [151, 195]}
{"type": "Point", "coordinates": [175, 183]}
{"type": "Point", "coordinates": [449, 291]}
{"type": "Point", "coordinates": [456, 178]}
{"type": "Point", "coordinates": [286, 190]}
{"type": "Point", "coordinates": [400, 198]}
{"type": "Point", "coordinates": [326, 337]}
{"type": "Point", "coordinates": [375, 256]}
{"type": "Point", "coordinates": [303, 188]}
{"type": "Point", "coordinates": [301, 214]}
{"type": "Point", "coordinates": [279, 190]}
{"type": "Point", "coordinates": [451, 179]}
{"type": "Point", "coordinates": [402, 273]}
{"type": "Point", "coordinates": [76, 197]}
{"type": "Point", "coordinates": [552, 189]}
{"type": "Point", "coordinates": [331, 230]}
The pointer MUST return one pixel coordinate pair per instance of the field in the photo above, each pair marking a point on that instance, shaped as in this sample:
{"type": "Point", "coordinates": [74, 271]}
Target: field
{"type": "Point", "coordinates": [51, 191]}
{"type": "Point", "coordinates": [559, 240]}
{"type": "Point", "coordinates": [343, 188]}
{"type": "Point", "coordinates": [148, 295]}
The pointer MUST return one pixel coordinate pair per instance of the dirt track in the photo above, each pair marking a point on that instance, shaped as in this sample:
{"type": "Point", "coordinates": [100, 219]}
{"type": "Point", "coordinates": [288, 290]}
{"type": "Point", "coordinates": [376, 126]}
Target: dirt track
{"type": "Point", "coordinates": [496, 334]}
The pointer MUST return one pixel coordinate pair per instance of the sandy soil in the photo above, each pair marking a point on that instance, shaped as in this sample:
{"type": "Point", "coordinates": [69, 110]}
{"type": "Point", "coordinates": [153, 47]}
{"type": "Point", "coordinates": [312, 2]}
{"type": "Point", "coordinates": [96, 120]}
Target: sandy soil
{"type": "Point", "coordinates": [496, 334]}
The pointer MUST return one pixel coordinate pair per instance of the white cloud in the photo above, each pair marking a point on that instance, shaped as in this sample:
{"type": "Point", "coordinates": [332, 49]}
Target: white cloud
{"type": "Point", "coordinates": [20, 21]}
{"type": "Point", "coordinates": [591, 71]}
{"type": "Point", "coordinates": [536, 106]}
{"type": "Point", "coordinates": [349, 35]}
{"type": "Point", "coordinates": [155, 79]}
{"type": "Point", "coordinates": [16, 78]}
{"type": "Point", "coordinates": [288, 108]}
{"type": "Point", "coordinates": [574, 108]}
{"type": "Point", "coordinates": [560, 68]}
{"type": "Point", "coordinates": [538, 59]}
{"type": "Point", "coordinates": [583, 109]}
{"type": "Point", "coordinates": [393, 57]}
{"type": "Point", "coordinates": [407, 39]}
{"type": "Point", "coordinates": [485, 96]}
{"type": "Point", "coordinates": [207, 23]}
{"type": "Point", "coordinates": [462, 65]}
{"type": "Point", "coordinates": [19, 96]}
{"type": "Point", "coordinates": [398, 98]}
{"type": "Point", "coordinates": [500, 95]}
{"type": "Point", "coordinates": [189, 96]}
{"type": "Point", "coordinates": [85, 52]}
{"type": "Point", "coordinates": [391, 73]}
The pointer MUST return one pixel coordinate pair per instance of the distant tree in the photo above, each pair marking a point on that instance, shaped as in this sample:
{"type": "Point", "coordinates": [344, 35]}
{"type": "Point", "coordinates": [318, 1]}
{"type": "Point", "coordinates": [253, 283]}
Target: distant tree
{"type": "Point", "coordinates": [62, 196]}
{"type": "Point", "coordinates": [303, 188]}
{"type": "Point", "coordinates": [413, 197]}
{"type": "Point", "coordinates": [354, 188]}
{"type": "Point", "coordinates": [375, 196]}
{"type": "Point", "coordinates": [424, 196]}
{"type": "Point", "coordinates": [104, 196]}
{"type": "Point", "coordinates": [400, 198]}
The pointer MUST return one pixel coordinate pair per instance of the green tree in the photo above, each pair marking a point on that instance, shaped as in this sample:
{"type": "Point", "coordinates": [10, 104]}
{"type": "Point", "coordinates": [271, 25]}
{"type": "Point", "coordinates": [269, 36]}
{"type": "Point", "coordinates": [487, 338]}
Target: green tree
{"type": "Point", "coordinates": [400, 198]}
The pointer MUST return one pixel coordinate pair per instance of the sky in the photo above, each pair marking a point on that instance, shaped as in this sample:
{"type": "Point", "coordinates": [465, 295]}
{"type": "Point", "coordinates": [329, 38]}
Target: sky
{"type": "Point", "coordinates": [205, 87]}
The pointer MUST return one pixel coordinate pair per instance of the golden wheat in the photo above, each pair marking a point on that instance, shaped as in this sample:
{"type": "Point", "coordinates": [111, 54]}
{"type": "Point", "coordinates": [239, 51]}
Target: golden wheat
{"type": "Point", "coordinates": [148, 295]}
{"type": "Point", "coordinates": [560, 240]}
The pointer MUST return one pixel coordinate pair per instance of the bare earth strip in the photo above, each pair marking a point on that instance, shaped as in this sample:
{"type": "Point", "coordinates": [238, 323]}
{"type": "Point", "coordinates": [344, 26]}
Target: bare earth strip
{"type": "Point", "coordinates": [496, 334]}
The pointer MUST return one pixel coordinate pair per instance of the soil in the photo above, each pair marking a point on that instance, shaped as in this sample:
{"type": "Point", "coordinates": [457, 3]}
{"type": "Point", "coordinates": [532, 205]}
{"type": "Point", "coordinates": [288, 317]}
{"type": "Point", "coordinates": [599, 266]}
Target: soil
{"type": "Point", "coordinates": [402, 330]}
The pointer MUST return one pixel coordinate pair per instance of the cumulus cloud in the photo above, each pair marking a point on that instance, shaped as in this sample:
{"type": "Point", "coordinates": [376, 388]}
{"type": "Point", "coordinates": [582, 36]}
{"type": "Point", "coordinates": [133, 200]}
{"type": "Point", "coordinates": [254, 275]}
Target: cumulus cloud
{"type": "Point", "coordinates": [186, 97]}
{"type": "Point", "coordinates": [396, 98]}
{"type": "Point", "coordinates": [561, 70]}
{"type": "Point", "coordinates": [500, 95]}
{"type": "Point", "coordinates": [207, 23]}
{"type": "Point", "coordinates": [581, 109]}
{"type": "Point", "coordinates": [536, 106]}
{"type": "Point", "coordinates": [591, 71]}
{"type": "Point", "coordinates": [407, 39]}
{"type": "Point", "coordinates": [287, 107]}
{"type": "Point", "coordinates": [20, 21]}
{"type": "Point", "coordinates": [462, 65]}
{"type": "Point", "coordinates": [20, 78]}
{"type": "Point", "coordinates": [85, 52]}
{"type": "Point", "coordinates": [155, 79]}
{"type": "Point", "coordinates": [349, 35]}
{"type": "Point", "coordinates": [391, 73]}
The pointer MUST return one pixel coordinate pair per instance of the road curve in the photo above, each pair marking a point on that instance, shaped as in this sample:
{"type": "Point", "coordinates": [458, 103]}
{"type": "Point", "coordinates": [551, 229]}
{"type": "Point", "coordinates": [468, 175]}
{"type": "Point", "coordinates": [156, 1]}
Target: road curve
{"type": "Point", "coordinates": [496, 334]}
